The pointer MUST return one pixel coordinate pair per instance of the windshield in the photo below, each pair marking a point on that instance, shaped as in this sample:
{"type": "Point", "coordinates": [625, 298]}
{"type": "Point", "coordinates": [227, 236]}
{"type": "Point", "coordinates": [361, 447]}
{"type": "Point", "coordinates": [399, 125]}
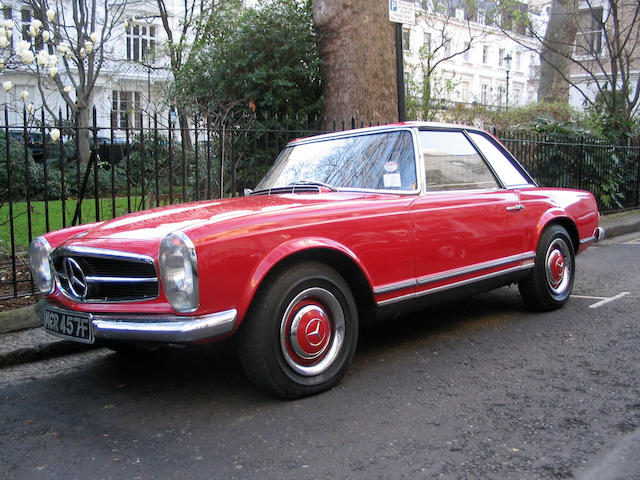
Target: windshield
{"type": "Point", "coordinates": [372, 161]}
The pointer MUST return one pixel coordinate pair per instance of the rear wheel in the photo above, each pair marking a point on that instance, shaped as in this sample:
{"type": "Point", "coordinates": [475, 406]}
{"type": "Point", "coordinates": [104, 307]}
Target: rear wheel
{"type": "Point", "coordinates": [300, 334]}
{"type": "Point", "coordinates": [549, 285]}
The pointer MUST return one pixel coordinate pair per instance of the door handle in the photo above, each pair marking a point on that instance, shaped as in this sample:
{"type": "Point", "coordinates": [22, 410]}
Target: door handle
{"type": "Point", "coordinates": [515, 208]}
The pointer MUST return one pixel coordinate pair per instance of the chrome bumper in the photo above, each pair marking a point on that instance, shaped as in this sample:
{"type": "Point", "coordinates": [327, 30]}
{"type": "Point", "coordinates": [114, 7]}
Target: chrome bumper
{"type": "Point", "coordinates": [157, 328]}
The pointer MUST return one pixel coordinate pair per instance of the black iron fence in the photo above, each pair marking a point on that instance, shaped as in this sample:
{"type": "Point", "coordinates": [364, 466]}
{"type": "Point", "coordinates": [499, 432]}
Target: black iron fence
{"type": "Point", "coordinates": [46, 185]}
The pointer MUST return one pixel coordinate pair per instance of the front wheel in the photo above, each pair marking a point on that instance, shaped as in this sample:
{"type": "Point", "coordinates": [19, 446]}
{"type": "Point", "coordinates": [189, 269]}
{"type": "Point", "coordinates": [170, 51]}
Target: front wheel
{"type": "Point", "coordinates": [550, 283]}
{"type": "Point", "coordinates": [301, 331]}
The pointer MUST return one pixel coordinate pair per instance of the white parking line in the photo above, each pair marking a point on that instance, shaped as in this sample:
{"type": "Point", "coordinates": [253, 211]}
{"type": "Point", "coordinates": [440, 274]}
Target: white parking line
{"type": "Point", "coordinates": [605, 300]}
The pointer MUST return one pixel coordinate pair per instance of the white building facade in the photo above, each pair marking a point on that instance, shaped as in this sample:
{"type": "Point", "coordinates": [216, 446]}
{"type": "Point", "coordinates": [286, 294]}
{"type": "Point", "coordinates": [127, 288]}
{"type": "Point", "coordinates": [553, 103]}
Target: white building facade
{"type": "Point", "coordinates": [478, 59]}
{"type": "Point", "coordinates": [134, 72]}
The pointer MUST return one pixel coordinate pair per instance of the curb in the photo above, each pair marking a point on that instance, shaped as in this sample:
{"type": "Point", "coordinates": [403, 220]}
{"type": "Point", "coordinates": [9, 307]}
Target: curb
{"type": "Point", "coordinates": [42, 351]}
{"type": "Point", "coordinates": [19, 319]}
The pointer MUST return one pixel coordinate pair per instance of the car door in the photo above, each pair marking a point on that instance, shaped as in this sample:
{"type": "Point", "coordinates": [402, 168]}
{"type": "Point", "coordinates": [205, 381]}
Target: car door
{"type": "Point", "coordinates": [467, 226]}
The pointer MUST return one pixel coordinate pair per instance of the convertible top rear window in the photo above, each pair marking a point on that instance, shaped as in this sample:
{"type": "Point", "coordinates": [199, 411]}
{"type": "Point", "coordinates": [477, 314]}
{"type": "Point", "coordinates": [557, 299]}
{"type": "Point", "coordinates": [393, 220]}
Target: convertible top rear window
{"type": "Point", "coordinates": [378, 161]}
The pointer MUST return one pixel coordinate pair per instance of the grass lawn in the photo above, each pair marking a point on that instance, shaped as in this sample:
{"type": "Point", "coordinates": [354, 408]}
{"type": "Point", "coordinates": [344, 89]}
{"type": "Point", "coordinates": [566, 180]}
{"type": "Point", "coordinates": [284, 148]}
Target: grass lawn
{"type": "Point", "coordinates": [38, 217]}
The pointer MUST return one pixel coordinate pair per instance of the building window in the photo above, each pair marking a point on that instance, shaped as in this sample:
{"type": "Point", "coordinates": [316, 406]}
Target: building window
{"type": "Point", "coordinates": [484, 93]}
{"type": "Point", "coordinates": [27, 18]}
{"type": "Point", "coordinates": [447, 47]}
{"type": "Point", "coordinates": [518, 61]}
{"type": "Point", "coordinates": [427, 42]}
{"type": "Point", "coordinates": [141, 43]}
{"type": "Point", "coordinates": [589, 34]}
{"type": "Point", "coordinates": [485, 54]}
{"type": "Point", "coordinates": [466, 90]}
{"type": "Point", "coordinates": [501, 57]}
{"type": "Point", "coordinates": [126, 109]}
{"type": "Point", "coordinates": [517, 94]}
{"type": "Point", "coordinates": [406, 36]}
{"type": "Point", "coordinates": [7, 14]}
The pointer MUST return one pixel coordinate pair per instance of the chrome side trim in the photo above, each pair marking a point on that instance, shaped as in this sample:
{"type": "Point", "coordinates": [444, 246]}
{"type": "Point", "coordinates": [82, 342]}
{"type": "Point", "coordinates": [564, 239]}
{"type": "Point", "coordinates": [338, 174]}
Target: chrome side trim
{"type": "Point", "coordinates": [436, 277]}
{"type": "Point", "coordinates": [163, 328]}
{"type": "Point", "coordinates": [449, 286]}
{"type": "Point", "coordinates": [475, 268]}
{"type": "Point", "coordinates": [392, 287]}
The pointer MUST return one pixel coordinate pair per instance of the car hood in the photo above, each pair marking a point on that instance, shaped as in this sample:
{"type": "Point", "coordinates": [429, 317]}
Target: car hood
{"type": "Point", "coordinates": [216, 215]}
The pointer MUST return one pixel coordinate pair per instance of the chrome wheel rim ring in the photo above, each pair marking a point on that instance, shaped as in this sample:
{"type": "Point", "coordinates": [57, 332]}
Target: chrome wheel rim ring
{"type": "Point", "coordinates": [312, 331]}
{"type": "Point", "coordinates": [558, 268]}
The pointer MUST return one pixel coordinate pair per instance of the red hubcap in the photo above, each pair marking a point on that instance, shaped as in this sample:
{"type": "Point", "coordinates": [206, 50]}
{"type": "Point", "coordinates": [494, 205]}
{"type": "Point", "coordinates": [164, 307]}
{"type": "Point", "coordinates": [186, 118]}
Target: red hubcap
{"type": "Point", "coordinates": [557, 264]}
{"type": "Point", "coordinates": [309, 333]}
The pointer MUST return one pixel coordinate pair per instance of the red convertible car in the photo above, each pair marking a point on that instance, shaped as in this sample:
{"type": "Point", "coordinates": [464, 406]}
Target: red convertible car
{"type": "Point", "coordinates": [344, 227]}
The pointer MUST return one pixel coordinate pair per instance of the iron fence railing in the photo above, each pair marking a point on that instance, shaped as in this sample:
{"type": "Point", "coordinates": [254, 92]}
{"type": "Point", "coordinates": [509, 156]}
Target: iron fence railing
{"type": "Point", "coordinates": [45, 185]}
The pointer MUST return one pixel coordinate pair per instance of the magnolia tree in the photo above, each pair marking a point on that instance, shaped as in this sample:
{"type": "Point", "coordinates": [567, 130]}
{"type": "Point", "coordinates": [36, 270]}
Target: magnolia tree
{"type": "Point", "coordinates": [64, 47]}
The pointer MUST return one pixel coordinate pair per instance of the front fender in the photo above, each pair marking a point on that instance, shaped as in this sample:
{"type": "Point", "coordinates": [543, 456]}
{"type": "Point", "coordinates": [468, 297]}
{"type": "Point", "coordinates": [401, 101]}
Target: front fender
{"type": "Point", "coordinates": [293, 247]}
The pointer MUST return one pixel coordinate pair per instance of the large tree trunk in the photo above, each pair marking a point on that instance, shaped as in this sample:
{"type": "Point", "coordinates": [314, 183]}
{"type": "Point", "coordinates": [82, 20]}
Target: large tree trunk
{"type": "Point", "coordinates": [557, 49]}
{"type": "Point", "coordinates": [357, 47]}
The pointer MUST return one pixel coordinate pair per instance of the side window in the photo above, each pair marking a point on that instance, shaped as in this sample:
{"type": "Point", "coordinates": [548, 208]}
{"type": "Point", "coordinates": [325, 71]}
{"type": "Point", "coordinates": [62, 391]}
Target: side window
{"type": "Point", "coordinates": [451, 163]}
{"type": "Point", "coordinates": [507, 171]}
{"type": "Point", "coordinates": [382, 161]}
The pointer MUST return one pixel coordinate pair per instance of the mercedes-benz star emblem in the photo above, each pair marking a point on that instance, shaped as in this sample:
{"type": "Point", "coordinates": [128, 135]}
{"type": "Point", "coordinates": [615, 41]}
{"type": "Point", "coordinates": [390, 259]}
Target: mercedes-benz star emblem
{"type": "Point", "coordinates": [315, 329]}
{"type": "Point", "coordinates": [77, 282]}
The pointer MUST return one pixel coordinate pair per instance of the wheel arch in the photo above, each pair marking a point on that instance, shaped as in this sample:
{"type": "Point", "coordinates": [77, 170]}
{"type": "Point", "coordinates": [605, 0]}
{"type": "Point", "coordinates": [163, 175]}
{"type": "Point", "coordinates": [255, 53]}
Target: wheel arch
{"type": "Point", "coordinates": [337, 258]}
{"type": "Point", "coordinates": [565, 222]}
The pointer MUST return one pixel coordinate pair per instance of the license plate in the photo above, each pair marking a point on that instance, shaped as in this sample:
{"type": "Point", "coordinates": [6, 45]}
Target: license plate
{"type": "Point", "coordinates": [73, 325]}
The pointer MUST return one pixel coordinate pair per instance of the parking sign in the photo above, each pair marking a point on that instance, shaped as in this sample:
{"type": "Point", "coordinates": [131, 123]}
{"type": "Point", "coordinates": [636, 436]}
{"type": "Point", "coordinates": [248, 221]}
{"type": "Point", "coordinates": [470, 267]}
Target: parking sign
{"type": "Point", "coordinates": [402, 11]}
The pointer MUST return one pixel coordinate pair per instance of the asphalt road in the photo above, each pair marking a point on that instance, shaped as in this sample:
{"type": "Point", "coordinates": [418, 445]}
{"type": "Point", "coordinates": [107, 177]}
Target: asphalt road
{"type": "Point", "coordinates": [481, 388]}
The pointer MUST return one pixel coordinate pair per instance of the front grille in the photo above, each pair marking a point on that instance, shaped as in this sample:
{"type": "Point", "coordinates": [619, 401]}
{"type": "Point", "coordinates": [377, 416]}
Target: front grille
{"type": "Point", "coordinates": [95, 275]}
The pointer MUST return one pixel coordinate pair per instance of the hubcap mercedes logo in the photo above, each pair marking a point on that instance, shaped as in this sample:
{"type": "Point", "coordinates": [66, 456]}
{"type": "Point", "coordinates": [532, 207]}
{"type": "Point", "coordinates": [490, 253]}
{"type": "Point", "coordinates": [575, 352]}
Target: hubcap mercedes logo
{"type": "Point", "coordinates": [76, 280]}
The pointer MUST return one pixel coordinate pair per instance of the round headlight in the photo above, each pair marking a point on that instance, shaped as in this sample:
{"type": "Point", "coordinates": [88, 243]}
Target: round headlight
{"type": "Point", "coordinates": [179, 271]}
{"type": "Point", "coordinates": [40, 266]}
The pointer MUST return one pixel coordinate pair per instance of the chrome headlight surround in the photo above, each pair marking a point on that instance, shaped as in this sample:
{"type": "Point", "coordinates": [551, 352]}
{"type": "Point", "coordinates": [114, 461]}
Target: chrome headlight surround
{"type": "Point", "coordinates": [179, 272]}
{"type": "Point", "coordinates": [39, 265]}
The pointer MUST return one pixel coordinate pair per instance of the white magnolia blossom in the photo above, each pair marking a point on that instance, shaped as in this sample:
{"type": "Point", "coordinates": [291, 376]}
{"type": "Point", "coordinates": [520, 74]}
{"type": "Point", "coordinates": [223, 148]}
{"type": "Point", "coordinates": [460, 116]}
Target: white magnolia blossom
{"type": "Point", "coordinates": [62, 48]}
{"type": "Point", "coordinates": [54, 134]}
{"type": "Point", "coordinates": [4, 41]}
{"type": "Point", "coordinates": [46, 35]}
{"type": "Point", "coordinates": [93, 37]}
{"type": "Point", "coordinates": [126, 24]}
{"type": "Point", "coordinates": [53, 71]}
{"type": "Point", "coordinates": [27, 57]}
{"type": "Point", "coordinates": [1, 64]}
{"type": "Point", "coordinates": [53, 59]}
{"type": "Point", "coordinates": [24, 95]}
{"type": "Point", "coordinates": [31, 109]}
{"type": "Point", "coordinates": [83, 52]}
{"type": "Point", "coordinates": [3, 31]}
{"type": "Point", "coordinates": [67, 89]}
{"type": "Point", "coordinates": [9, 34]}
{"type": "Point", "coordinates": [51, 14]}
{"type": "Point", "coordinates": [7, 85]}
{"type": "Point", "coordinates": [22, 46]}
{"type": "Point", "coordinates": [8, 24]}
{"type": "Point", "coordinates": [43, 58]}
{"type": "Point", "coordinates": [134, 21]}
{"type": "Point", "coordinates": [37, 24]}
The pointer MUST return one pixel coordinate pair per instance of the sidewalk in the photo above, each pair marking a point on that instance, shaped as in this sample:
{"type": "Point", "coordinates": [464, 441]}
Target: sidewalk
{"type": "Point", "coordinates": [22, 340]}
